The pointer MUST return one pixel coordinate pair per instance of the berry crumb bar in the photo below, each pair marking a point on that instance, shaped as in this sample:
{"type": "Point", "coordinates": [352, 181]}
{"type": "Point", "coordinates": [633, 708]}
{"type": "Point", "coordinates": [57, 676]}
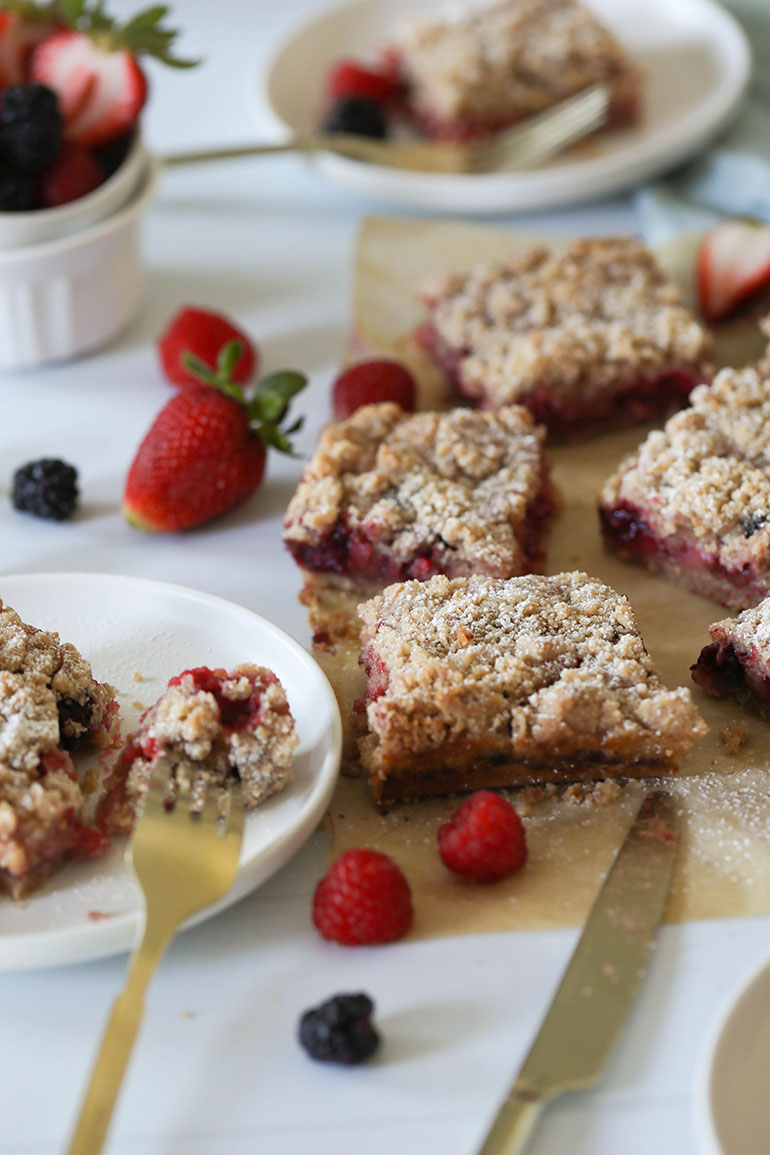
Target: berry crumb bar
{"type": "Point", "coordinates": [591, 336]}
{"type": "Point", "coordinates": [737, 662]}
{"type": "Point", "coordinates": [390, 496]}
{"type": "Point", "coordinates": [50, 707]}
{"type": "Point", "coordinates": [480, 681]}
{"type": "Point", "coordinates": [495, 64]}
{"type": "Point", "coordinates": [225, 723]}
{"type": "Point", "coordinates": [694, 500]}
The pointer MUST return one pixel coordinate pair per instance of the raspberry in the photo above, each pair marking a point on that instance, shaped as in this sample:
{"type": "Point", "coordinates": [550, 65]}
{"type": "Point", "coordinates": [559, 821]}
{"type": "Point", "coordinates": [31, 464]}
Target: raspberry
{"type": "Point", "coordinates": [484, 839]}
{"type": "Point", "coordinates": [340, 1030]}
{"type": "Point", "coordinates": [349, 78]}
{"type": "Point", "coordinates": [357, 116]}
{"type": "Point", "coordinates": [204, 334]}
{"type": "Point", "coordinates": [362, 899]}
{"type": "Point", "coordinates": [371, 382]}
{"type": "Point", "coordinates": [75, 173]}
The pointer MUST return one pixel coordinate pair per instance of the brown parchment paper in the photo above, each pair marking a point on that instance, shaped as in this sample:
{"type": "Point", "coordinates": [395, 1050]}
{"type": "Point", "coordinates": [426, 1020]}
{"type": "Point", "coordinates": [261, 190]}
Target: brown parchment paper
{"type": "Point", "coordinates": [723, 867]}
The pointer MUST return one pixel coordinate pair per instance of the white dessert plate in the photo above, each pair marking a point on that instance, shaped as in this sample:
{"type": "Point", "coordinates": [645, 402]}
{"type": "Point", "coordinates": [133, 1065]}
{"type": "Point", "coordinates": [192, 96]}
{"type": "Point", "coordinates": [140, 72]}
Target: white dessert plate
{"type": "Point", "coordinates": [695, 55]}
{"type": "Point", "coordinates": [137, 634]}
{"type": "Point", "coordinates": [731, 1100]}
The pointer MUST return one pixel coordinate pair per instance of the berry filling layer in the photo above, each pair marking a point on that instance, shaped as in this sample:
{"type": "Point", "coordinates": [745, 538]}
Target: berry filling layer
{"type": "Point", "coordinates": [629, 534]}
{"type": "Point", "coordinates": [726, 671]}
{"type": "Point", "coordinates": [646, 397]}
{"type": "Point", "coordinates": [355, 553]}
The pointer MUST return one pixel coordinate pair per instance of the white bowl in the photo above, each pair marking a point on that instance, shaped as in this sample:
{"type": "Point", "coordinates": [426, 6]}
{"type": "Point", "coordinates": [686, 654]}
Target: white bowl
{"type": "Point", "coordinates": [732, 1107]}
{"type": "Point", "coordinates": [38, 225]}
{"type": "Point", "coordinates": [67, 297]}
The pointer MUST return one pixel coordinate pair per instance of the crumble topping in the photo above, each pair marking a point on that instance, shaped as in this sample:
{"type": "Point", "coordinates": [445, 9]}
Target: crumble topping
{"type": "Point", "coordinates": [707, 473]}
{"type": "Point", "coordinates": [733, 736]}
{"type": "Point", "coordinates": [749, 632]}
{"type": "Point", "coordinates": [457, 484]}
{"type": "Point", "coordinates": [187, 721]}
{"type": "Point", "coordinates": [594, 316]}
{"type": "Point", "coordinates": [556, 667]}
{"type": "Point", "coordinates": [506, 60]}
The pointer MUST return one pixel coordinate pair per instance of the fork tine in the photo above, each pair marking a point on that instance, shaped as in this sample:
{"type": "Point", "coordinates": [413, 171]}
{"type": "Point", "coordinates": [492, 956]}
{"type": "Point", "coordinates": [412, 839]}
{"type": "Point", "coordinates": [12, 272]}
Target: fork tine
{"type": "Point", "coordinates": [545, 135]}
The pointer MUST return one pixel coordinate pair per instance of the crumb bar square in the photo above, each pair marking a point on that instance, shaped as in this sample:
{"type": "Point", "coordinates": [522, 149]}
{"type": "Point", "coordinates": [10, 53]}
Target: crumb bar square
{"type": "Point", "coordinates": [50, 706]}
{"type": "Point", "coordinates": [224, 723]}
{"type": "Point", "coordinates": [694, 500]}
{"type": "Point", "coordinates": [590, 336]}
{"type": "Point", "coordinates": [389, 496]}
{"type": "Point", "coordinates": [737, 662]}
{"type": "Point", "coordinates": [495, 64]}
{"type": "Point", "coordinates": [479, 681]}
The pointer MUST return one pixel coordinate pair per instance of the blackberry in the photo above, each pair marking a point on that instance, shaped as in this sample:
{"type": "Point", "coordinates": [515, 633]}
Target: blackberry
{"type": "Point", "coordinates": [356, 115]}
{"type": "Point", "coordinates": [30, 126]}
{"type": "Point", "coordinates": [340, 1030]}
{"type": "Point", "coordinates": [46, 488]}
{"type": "Point", "coordinates": [18, 190]}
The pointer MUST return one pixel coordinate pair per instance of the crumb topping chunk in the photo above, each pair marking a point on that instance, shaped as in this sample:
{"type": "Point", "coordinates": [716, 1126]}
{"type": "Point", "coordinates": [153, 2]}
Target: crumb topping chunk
{"type": "Point", "coordinates": [506, 60]}
{"type": "Point", "coordinates": [706, 475]}
{"type": "Point", "coordinates": [457, 484]}
{"type": "Point", "coordinates": [595, 315]}
{"type": "Point", "coordinates": [539, 667]}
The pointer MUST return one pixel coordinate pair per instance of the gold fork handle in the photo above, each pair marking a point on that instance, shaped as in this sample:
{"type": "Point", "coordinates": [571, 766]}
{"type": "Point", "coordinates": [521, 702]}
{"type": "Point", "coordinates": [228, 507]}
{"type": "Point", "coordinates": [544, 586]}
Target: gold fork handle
{"type": "Point", "coordinates": [118, 1039]}
{"type": "Point", "coordinates": [353, 146]}
{"type": "Point", "coordinates": [513, 1125]}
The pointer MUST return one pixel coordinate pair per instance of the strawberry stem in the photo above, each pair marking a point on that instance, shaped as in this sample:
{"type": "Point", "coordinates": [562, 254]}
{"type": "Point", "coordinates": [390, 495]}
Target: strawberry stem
{"type": "Point", "coordinates": [269, 405]}
{"type": "Point", "coordinates": [143, 35]}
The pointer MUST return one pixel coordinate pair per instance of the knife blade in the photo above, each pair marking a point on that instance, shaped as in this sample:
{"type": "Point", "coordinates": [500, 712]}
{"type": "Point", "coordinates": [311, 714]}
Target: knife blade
{"type": "Point", "coordinates": [602, 977]}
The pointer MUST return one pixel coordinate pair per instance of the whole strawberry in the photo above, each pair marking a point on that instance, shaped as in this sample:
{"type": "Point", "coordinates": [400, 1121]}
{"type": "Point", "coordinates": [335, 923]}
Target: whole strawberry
{"type": "Point", "coordinates": [204, 334]}
{"type": "Point", "coordinates": [92, 66]}
{"type": "Point", "coordinates": [205, 452]}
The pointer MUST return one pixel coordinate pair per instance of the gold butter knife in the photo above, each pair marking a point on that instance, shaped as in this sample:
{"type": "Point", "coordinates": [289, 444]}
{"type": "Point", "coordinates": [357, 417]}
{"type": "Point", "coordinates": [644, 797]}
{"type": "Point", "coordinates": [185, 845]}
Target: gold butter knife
{"type": "Point", "coordinates": [601, 980]}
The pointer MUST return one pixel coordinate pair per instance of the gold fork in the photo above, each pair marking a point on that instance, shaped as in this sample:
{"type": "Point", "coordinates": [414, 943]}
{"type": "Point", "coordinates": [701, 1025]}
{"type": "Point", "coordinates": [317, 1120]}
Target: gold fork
{"type": "Point", "coordinates": [528, 144]}
{"type": "Point", "coordinates": [185, 856]}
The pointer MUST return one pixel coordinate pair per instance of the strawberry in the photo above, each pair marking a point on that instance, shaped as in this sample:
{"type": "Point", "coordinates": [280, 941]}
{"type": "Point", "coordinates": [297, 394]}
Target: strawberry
{"type": "Point", "coordinates": [349, 78]}
{"type": "Point", "coordinates": [73, 174]}
{"type": "Point", "coordinates": [205, 451]}
{"type": "Point", "coordinates": [733, 264]}
{"type": "Point", "coordinates": [22, 26]}
{"type": "Point", "coordinates": [92, 66]}
{"type": "Point", "coordinates": [204, 334]}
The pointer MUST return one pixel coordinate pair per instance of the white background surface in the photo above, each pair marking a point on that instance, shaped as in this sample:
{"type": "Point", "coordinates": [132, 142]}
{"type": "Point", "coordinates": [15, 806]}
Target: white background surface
{"type": "Point", "coordinates": [217, 1070]}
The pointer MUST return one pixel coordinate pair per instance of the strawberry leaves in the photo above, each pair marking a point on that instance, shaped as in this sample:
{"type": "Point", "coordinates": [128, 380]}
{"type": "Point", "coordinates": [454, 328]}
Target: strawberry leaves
{"type": "Point", "coordinates": [143, 35]}
{"type": "Point", "coordinates": [269, 405]}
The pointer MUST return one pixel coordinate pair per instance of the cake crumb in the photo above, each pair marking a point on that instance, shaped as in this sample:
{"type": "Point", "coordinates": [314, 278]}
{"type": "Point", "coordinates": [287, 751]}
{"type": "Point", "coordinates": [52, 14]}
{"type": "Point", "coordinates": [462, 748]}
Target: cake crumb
{"type": "Point", "coordinates": [733, 736]}
{"type": "Point", "coordinates": [138, 677]}
{"type": "Point", "coordinates": [137, 704]}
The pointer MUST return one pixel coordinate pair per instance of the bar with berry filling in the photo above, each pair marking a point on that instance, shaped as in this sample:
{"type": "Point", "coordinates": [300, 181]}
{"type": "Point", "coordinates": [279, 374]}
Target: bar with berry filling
{"type": "Point", "coordinates": [736, 664]}
{"type": "Point", "coordinates": [694, 500]}
{"type": "Point", "coordinates": [587, 337]}
{"type": "Point", "coordinates": [478, 682]}
{"type": "Point", "coordinates": [50, 707]}
{"type": "Point", "coordinates": [470, 74]}
{"type": "Point", "coordinates": [233, 723]}
{"type": "Point", "coordinates": [389, 496]}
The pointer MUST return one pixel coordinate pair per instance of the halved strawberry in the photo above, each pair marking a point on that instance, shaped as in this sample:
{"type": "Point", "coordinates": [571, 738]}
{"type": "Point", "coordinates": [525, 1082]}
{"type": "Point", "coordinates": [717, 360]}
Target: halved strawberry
{"type": "Point", "coordinates": [20, 30]}
{"type": "Point", "coordinates": [92, 67]}
{"type": "Point", "coordinates": [733, 264]}
{"type": "Point", "coordinates": [374, 82]}
{"type": "Point", "coordinates": [101, 93]}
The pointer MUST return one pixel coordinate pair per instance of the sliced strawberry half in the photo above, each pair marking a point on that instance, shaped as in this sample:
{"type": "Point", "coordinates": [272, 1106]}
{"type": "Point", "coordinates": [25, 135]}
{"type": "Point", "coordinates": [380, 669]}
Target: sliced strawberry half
{"type": "Point", "coordinates": [101, 91]}
{"type": "Point", "coordinates": [18, 36]}
{"type": "Point", "coordinates": [733, 265]}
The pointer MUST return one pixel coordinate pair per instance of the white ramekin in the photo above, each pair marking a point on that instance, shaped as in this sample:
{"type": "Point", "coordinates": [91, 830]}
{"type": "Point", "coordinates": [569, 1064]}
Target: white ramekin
{"type": "Point", "coordinates": [67, 297]}
{"type": "Point", "coordinates": [33, 228]}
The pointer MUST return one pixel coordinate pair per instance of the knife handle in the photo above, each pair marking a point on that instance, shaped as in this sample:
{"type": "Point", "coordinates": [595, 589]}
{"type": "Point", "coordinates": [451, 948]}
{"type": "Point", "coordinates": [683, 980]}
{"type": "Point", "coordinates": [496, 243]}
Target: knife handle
{"type": "Point", "coordinates": [513, 1124]}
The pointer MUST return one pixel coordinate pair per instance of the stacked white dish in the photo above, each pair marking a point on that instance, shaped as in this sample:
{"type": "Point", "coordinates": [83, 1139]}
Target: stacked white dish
{"type": "Point", "coordinates": [71, 278]}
